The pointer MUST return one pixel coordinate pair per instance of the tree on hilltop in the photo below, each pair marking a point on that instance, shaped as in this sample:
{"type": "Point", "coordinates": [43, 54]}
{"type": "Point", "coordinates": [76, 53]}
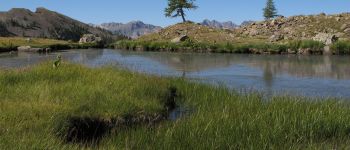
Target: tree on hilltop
{"type": "Point", "coordinates": [270, 10]}
{"type": "Point", "coordinates": [177, 8]}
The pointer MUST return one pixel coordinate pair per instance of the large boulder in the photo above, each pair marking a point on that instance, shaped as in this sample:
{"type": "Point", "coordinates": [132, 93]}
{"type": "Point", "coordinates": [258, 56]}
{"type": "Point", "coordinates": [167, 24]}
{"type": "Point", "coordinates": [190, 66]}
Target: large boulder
{"type": "Point", "coordinates": [325, 38]}
{"type": "Point", "coordinates": [347, 31]}
{"type": "Point", "coordinates": [344, 26]}
{"type": "Point", "coordinates": [276, 37]}
{"type": "Point", "coordinates": [179, 39]}
{"type": "Point", "coordinates": [24, 48]}
{"type": "Point", "coordinates": [253, 32]}
{"type": "Point", "coordinates": [29, 49]}
{"type": "Point", "coordinates": [89, 38]}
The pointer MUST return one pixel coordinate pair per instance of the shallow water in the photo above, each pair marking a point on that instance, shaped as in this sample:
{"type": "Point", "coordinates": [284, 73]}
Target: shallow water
{"type": "Point", "coordinates": [315, 76]}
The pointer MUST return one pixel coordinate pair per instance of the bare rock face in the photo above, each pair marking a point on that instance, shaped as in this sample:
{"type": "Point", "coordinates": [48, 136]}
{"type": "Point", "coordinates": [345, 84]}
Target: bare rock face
{"type": "Point", "coordinates": [325, 38]}
{"type": "Point", "coordinates": [89, 38]}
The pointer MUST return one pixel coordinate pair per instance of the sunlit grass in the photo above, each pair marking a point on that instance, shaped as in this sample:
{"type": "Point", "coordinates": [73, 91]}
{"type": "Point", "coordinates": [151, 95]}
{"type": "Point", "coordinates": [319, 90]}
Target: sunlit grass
{"type": "Point", "coordinates": [34, 101]}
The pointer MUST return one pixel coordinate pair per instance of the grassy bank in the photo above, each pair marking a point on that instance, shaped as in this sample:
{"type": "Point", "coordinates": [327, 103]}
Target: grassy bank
{"type": "Point", "coordinates": [106, 108]}
{"type": "Point", "coordinates": [11, 44]}
{"type": "Point", "coordinates": [292, 47]}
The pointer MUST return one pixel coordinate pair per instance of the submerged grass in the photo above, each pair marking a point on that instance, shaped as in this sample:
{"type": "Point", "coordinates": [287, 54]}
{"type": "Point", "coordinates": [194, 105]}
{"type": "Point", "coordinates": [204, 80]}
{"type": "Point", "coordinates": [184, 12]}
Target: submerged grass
{"type": "Point", "coordinates": [35, 102]}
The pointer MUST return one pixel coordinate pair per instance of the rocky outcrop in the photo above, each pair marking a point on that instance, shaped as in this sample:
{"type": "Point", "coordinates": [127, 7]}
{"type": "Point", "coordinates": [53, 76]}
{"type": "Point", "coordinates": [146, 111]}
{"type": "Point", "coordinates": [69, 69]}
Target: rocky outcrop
{"type": "Point", "coordinates": [276, 37]}
{"type": "Point", "coordinates": [89, 38]}
{"type": "Point", "coordinates": [325, 38]}
{"type": "Point", "coordinates": [179, 39]}
{"type": "Point", "coordinates": [298, 27]}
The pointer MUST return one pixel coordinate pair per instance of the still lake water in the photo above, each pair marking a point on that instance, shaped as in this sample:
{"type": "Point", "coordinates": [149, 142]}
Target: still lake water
{"type": "Point", "coordinates": [315, 76]}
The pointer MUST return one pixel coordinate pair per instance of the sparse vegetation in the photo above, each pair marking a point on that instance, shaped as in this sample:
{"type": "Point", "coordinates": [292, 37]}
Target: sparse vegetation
{"type": "Point", "coordinates": [74, 107]}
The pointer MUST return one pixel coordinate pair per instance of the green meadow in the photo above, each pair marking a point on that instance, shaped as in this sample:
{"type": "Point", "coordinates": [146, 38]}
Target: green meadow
{"type": "Point", "coordinates": [75, 107]}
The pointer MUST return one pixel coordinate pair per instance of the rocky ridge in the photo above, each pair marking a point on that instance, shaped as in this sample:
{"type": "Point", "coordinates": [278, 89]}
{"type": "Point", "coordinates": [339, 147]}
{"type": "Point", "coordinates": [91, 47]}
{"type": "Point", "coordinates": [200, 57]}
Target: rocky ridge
{"type": "Point", "coordinates": [315, 27]}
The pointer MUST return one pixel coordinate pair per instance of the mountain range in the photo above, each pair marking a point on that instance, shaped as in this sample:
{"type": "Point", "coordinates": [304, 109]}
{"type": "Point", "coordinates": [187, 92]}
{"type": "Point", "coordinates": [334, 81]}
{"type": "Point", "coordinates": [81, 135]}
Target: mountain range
{"type": "Point", "coordinates": [219, 25]}
{"type": "Point", "coordinates": [135, 29]}
{"type": "Point", "coordinates": [44, 23]}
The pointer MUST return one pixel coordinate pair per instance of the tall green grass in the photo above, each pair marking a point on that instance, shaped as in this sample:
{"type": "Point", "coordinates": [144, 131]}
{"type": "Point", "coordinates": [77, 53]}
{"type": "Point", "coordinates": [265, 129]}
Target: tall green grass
{"type": "Point", "coordinates": [341, 47]}
{"type": "Point", "coordinates": [257, 48]}
{"type": "Point", "coordinates": [12, 43]}
{"type": "Point", "coordinates": [33, 101]}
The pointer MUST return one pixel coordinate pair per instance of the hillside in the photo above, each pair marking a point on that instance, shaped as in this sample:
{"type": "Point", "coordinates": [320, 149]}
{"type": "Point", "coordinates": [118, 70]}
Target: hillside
{"type": "Point", "coordinates": [132, 29]}
{"type": "Point", "coordinates": [196, 32]}
{"type": "Point", "coordinates": [298, 27]}
{"type": "Point", "coordinates": [281, 28]}
{"type": "Point", "coordinates": [44, 23]}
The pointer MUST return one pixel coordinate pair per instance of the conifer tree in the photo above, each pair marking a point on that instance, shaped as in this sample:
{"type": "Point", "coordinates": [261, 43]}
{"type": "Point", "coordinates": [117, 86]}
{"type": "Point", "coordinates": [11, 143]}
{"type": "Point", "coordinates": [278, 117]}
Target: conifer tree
{"type": "Point", "coordinates": [270, 10]}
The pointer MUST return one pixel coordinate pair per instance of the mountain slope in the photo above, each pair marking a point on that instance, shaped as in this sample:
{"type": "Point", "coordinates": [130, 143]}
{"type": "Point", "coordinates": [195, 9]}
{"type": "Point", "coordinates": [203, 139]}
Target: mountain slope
{"type": "Point", "coordinates": [132, 29]}
{"type": "Point", "coordinates": [44, 23]}
{"type": "Point", "coordinates": [299, 27]}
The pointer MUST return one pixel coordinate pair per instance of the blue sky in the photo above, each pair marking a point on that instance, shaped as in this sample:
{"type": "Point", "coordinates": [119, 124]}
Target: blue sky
{"type": "Point", "coordinates": [151, 11]}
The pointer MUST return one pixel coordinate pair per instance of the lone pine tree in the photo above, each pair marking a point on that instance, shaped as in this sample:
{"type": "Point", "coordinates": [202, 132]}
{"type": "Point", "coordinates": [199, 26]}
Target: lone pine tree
{"type": "Point", "coordinates": [176, 8]}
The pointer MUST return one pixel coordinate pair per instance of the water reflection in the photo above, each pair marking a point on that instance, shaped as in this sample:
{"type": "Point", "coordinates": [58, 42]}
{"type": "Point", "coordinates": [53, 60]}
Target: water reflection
{"type": "Point", "coordinates": [302, 75]}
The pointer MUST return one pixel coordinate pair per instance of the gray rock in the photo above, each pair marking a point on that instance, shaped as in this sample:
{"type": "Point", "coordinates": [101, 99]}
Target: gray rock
{"type": "Point", "coordinates": [29, 49]}
{"type": "Point", "coordinates": [89, 38]}
{"type": "Point", "coordinates": [290, 51]}
{"type": "Point", "coordinates": [276, 37]}
{"type": "Point", "coordinates": [347, 31]}
{"type": "Point", "coordinates": [338, 19]}
{"type": "Point", "coordinates": [325, 38]}
{"type": "Point", "coordinates": [327, 50]}
{"type": "Point", "coordinates": [343, 27]}
{"type": "Point", "coordinates": [24, 48]}
{"type": "Point", "coordinates": [180, 39]}
{"type": "Point", "coordinates": [253, 32]}
{"type": "Point", "coordinates": [304, 51]}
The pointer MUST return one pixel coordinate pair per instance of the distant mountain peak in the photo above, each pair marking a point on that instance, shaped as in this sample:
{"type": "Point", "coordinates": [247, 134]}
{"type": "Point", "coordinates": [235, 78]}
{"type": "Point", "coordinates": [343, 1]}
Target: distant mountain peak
{"type": "Point", "coordinates": [132, 29]}
{"type": "Point", "coordinates": [219, 25]}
